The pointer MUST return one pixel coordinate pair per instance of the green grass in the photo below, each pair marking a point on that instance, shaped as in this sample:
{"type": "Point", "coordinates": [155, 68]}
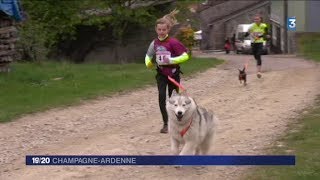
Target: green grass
{"type": "Point", "coordinates": [304, 142]}
{"type": "Point", "coordinates": [33, 87]}
{"type": "Point", "coordinates": [310, 46]}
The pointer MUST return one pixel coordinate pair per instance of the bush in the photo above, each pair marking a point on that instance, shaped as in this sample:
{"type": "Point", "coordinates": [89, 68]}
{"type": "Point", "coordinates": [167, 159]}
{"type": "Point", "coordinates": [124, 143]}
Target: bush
{"type": "Point", "coordinates": [33, 41]}
{"type": "Point", "coordinates": [186, 36]}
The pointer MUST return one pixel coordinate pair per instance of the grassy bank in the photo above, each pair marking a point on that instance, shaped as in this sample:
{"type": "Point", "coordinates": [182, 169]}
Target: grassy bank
{"type": "Point", "coordinates": [310, 46]}
{"type": "Point", "coordinates": [303, 140]}
{"type": "Point", "coordinates": [36, 87]}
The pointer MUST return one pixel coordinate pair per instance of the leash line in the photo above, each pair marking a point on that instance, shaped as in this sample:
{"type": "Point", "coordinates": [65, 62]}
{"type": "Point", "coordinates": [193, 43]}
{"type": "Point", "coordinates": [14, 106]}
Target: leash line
{"type": "Point", "coordinates": [177, 84]}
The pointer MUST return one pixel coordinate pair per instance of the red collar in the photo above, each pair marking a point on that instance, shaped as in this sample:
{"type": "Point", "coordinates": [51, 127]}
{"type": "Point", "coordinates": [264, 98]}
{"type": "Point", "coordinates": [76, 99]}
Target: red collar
{"type": "Point", "coordinates": [184, 131]}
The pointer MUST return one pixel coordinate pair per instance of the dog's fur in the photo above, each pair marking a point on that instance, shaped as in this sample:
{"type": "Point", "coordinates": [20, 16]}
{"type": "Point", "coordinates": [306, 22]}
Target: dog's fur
{"type": "Point", "coordinates": [198, 138]}
{"type": "Point", "coordinates": [243, 76]}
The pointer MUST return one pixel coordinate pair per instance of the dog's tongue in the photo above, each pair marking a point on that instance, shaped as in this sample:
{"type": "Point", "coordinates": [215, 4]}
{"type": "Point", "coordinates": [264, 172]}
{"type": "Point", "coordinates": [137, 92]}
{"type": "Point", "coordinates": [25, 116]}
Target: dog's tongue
{"type": "Point", "coordinates": [179, 117]}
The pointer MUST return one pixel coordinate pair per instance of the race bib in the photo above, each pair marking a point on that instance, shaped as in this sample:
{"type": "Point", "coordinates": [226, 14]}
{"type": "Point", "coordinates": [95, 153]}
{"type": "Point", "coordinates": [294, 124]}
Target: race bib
{"type": "Point", "coordinates": [163, 57]}
{"type": "Point", "coordinates": [257, 34]}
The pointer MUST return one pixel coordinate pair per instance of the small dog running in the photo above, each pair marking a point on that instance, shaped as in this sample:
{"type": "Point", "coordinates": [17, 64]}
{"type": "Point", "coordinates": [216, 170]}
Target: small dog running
{"type": "Point", "coordinates": [243, 76]}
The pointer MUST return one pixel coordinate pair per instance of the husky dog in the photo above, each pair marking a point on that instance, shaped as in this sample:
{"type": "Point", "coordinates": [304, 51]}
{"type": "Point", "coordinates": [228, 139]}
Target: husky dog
{"type": "Point", "coordinates": [190, 125]}
{"type": "Point", "coordinates": [243, 76]}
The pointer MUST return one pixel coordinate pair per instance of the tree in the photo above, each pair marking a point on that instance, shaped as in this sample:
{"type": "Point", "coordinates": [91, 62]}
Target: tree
{"type": "Point", "coordinates": [49, 21]}
{"type": "Point", "coordinates": [186, 36]}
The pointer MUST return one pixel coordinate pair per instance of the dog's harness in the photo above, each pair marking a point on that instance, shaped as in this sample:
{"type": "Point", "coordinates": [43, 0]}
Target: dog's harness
{"type": "Point", "coordinates": [184, 131]}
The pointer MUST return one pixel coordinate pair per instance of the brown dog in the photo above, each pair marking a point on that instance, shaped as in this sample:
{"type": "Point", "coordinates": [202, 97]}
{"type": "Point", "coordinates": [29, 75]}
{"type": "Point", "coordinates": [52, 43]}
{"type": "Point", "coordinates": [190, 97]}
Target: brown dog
{"type": "Point", "coordinates": [243, 76]}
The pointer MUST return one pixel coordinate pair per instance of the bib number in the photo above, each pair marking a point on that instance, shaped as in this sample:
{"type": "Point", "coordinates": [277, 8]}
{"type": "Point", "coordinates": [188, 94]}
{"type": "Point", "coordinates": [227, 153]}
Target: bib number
{"type": "Point", "coordinates": [162, 57]}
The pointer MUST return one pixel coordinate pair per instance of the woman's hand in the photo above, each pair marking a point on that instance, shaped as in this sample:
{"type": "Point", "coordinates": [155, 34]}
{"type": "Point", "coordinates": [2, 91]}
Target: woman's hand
{"type": "Point", "coordinates": [166, 60]}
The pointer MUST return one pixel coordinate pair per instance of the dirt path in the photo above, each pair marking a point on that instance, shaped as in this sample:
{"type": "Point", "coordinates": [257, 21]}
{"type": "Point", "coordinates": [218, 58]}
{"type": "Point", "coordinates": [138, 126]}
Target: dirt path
{"type": "Point", "coordinates": [251, 118]}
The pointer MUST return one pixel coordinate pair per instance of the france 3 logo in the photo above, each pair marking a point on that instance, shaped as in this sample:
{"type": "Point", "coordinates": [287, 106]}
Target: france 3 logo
{"type": "Point", "coordinates": [291, 24]}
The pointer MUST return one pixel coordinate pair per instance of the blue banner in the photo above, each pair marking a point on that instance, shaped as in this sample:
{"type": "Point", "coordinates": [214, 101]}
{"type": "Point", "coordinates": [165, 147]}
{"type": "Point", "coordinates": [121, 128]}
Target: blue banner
{"type": "Point", "coordinates": [161, 160]}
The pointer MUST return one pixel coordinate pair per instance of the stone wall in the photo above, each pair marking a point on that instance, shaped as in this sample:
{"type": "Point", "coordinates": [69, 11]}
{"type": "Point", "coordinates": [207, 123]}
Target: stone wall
{"type": "Point", "coordinates": [8, 38]}
{"type": "Point", "coordinates": [133, 50]}
{"type": "Point", "coordinates": [94, 45]}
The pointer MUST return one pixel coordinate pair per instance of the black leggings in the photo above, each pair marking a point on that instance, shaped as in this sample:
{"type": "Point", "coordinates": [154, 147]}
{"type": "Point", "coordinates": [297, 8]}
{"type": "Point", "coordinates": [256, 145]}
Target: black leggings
{"type": "Point", "coordinates": [163, 82]}
{"type": "Point", "coordinates": [257, 49]}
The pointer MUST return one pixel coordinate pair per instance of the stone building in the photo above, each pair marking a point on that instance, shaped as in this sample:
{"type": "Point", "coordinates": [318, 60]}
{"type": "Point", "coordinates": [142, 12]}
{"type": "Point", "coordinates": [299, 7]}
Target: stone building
{"type": "Point", "coordinates": [219, 19]}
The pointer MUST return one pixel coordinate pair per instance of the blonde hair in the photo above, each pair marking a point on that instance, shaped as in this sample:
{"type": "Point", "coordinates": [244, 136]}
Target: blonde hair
{"type": "Point", "coordinates": [169, 19]}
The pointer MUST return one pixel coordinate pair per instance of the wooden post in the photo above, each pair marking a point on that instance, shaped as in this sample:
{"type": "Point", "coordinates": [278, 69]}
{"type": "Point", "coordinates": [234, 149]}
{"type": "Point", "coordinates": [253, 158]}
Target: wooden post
{"type": "Point", "coordinates": [285, 26]}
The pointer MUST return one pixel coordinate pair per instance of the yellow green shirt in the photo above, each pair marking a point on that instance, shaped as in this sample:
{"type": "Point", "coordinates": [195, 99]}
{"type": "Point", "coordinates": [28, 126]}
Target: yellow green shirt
{"type": "Point", "coordinates": [256, 31]}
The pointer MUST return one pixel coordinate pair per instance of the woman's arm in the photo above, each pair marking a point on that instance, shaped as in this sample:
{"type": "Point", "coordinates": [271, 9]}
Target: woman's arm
{"type": "Point", "coordinates": [179, 59]}
{"type": "Point", "coordinates": [149, 56]}
{"type": "Point", "coordinates": [179, 48]}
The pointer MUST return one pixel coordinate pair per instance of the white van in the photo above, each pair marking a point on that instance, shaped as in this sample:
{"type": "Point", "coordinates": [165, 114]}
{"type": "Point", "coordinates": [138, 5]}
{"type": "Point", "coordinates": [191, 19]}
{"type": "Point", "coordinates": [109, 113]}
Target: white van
{"type": "Point", "coordinates": [242, 43]}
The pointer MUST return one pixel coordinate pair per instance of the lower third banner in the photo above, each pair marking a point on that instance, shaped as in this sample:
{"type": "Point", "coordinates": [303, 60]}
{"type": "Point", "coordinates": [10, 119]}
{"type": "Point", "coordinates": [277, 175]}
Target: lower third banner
{"type": "Point", "coordinates": [160, 160]}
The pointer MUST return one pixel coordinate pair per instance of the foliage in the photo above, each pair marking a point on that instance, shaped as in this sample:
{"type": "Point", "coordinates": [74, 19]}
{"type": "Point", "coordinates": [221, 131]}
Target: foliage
{"type": "Point", "coordinates": [49, 21]}
{"type": "Point", "coordinates": [186, 36]}
{"type": "Point", "coordinates": [32, 43]}
{"type": "Point", "coordinates": [122, 18]}
{"type": "Point", "coordinates": [186, 15]}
